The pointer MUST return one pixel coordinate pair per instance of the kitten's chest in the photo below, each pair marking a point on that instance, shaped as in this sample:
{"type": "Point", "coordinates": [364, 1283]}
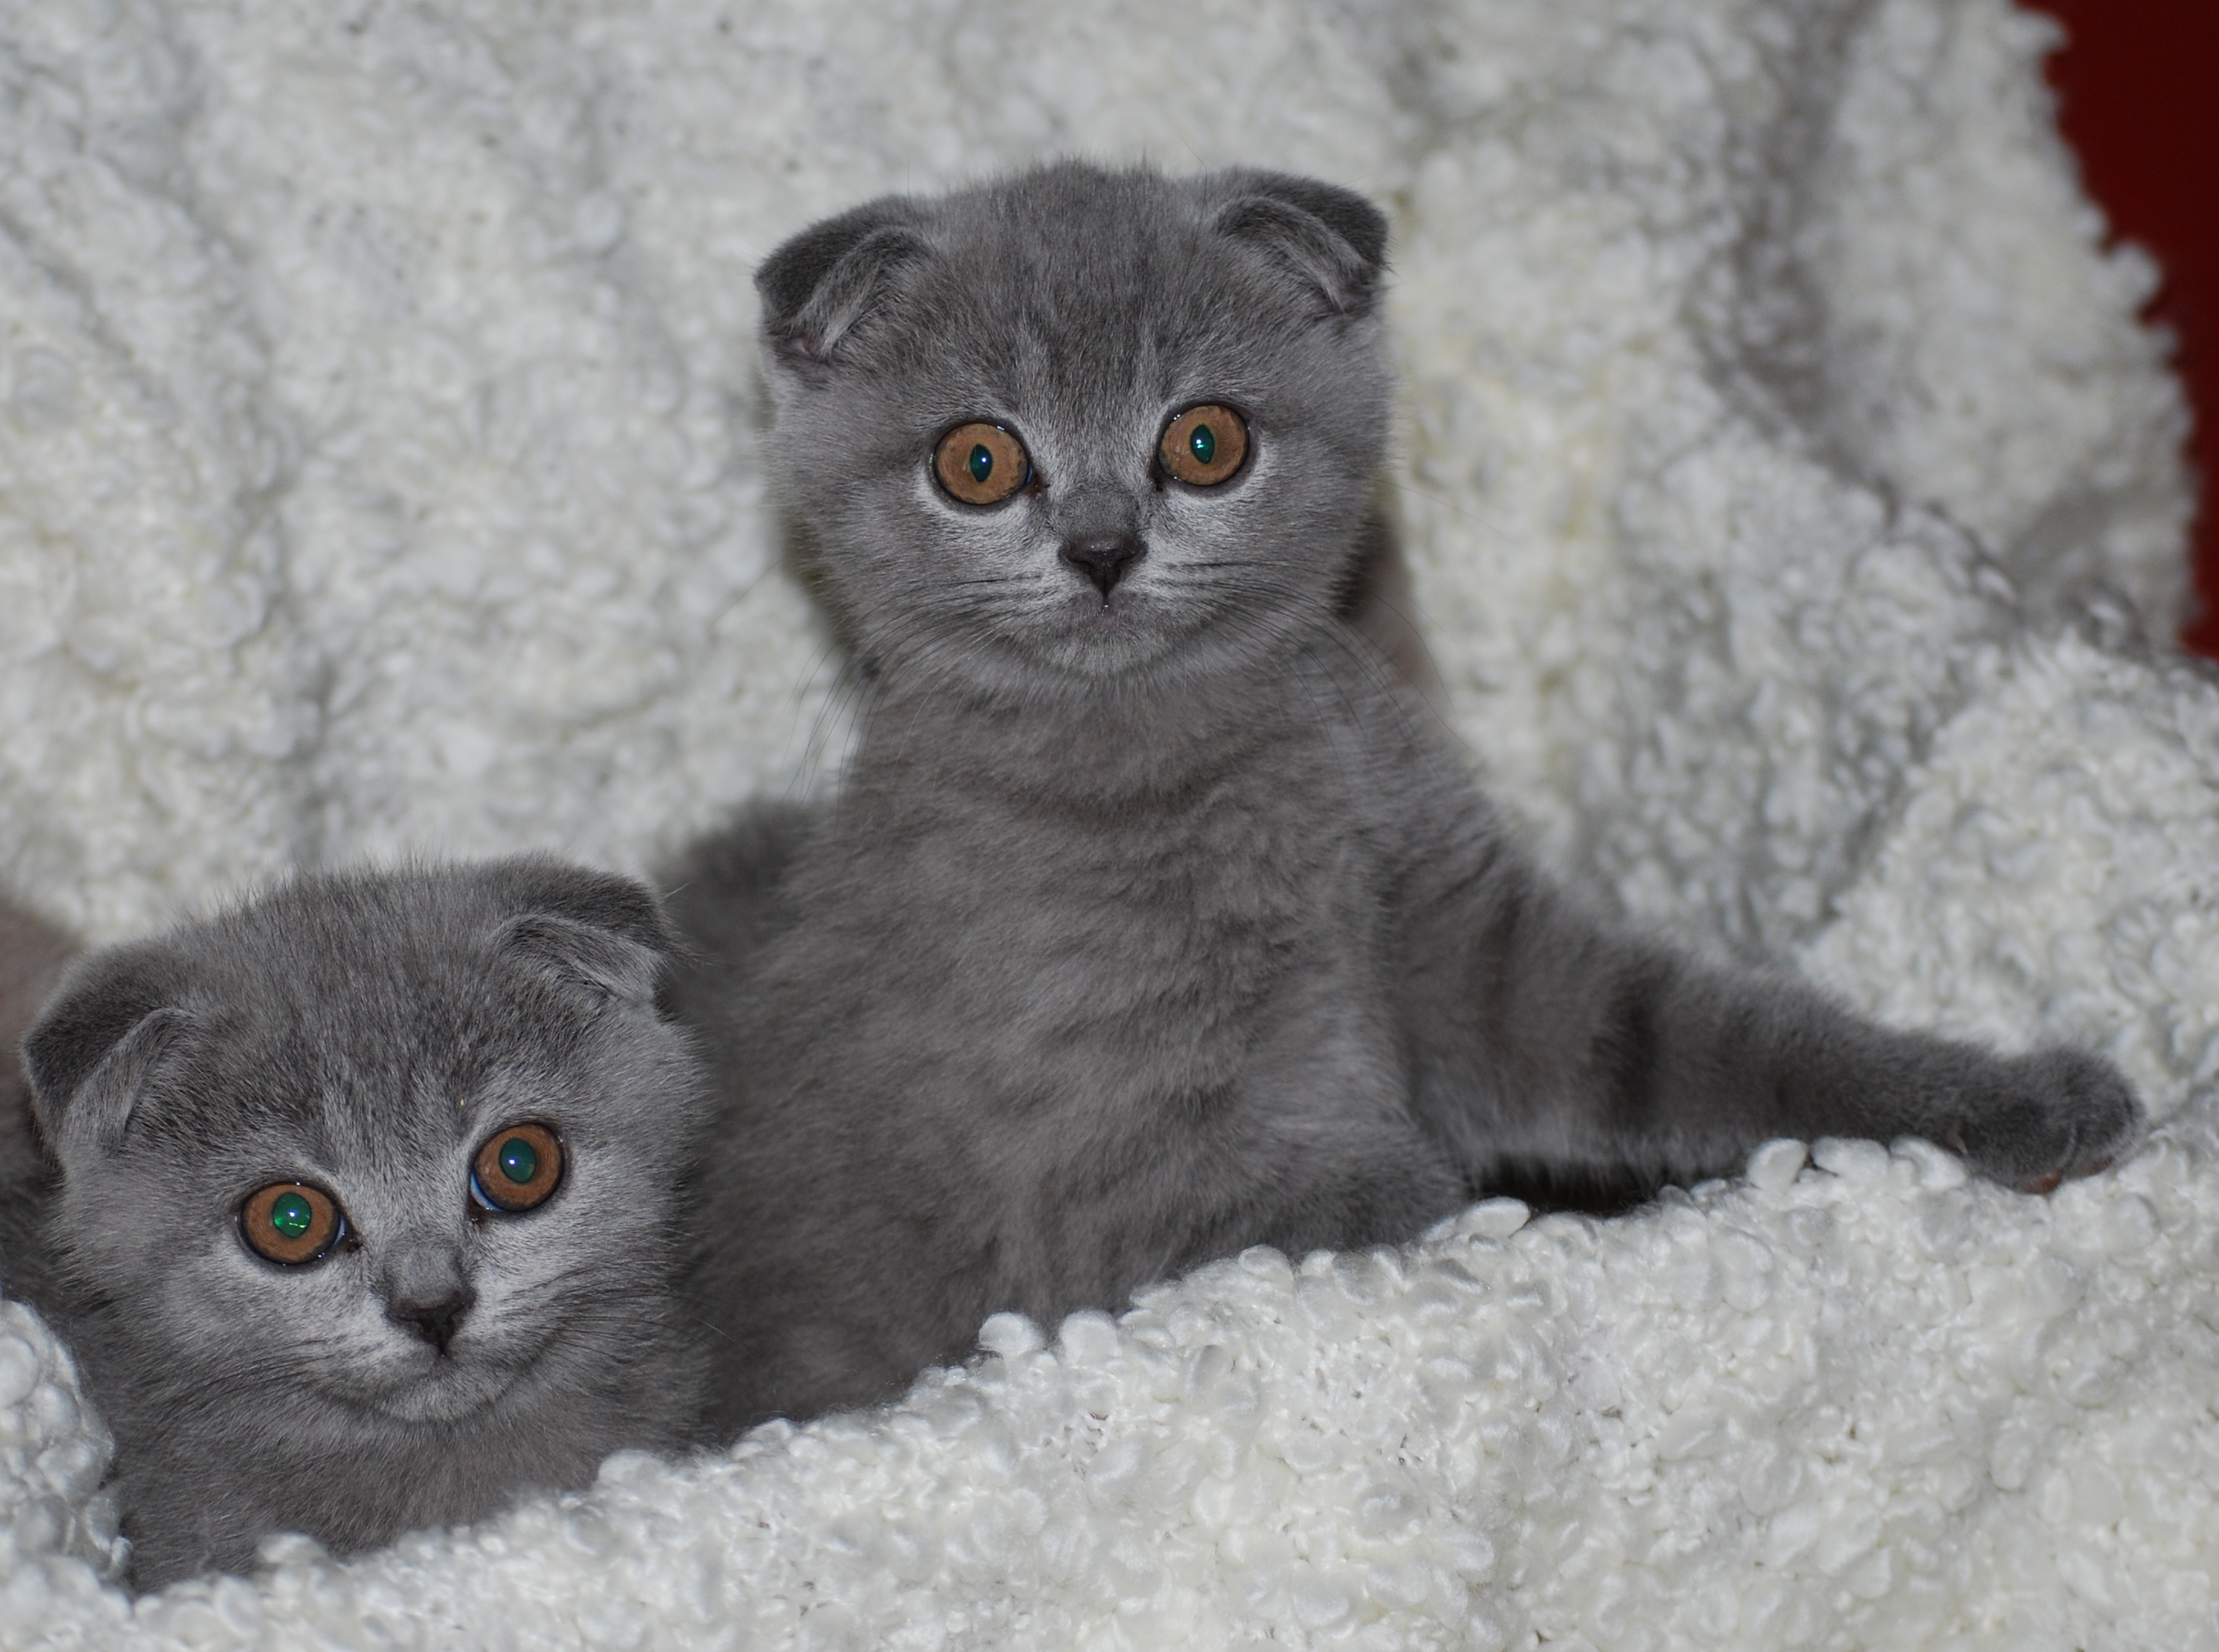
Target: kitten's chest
{"type": "Point", "coordinates": [1181, 913]}
{"type": "Point", "coordinates": [1135, 951]}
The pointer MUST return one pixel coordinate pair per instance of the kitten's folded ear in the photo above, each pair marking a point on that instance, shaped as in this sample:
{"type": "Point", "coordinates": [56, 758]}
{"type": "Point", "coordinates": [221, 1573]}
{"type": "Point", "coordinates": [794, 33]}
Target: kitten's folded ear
{"type": "Point", "coordinates": [590, 932]}
{"type": "Point", "coordinates": [1332, 239]}
{"type": "Point", "coordinates": [820, 286]}
{"type": "Point", "coordinates": [107, 1029]}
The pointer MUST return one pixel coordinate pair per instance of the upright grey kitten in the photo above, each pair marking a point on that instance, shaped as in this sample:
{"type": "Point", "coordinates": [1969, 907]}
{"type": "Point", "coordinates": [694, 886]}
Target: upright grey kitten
{"type": "Point", "coordinates": [369, 1201]}
{"type": "Point", "coordinates": [1156, 918]}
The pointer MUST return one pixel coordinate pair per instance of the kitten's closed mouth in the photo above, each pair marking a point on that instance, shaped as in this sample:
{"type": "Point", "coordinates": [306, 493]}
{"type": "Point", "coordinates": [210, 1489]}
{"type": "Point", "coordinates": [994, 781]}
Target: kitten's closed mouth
{"type": "Point", "coordinates": [1106, 614]}
{"type": "Point", "coordinates": [446, 1390]}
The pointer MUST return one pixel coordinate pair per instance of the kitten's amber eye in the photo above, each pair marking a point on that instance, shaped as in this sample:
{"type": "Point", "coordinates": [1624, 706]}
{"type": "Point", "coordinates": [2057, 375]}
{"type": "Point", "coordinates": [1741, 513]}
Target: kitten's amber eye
{"type": "Point", "coordinates": [981, 464]}
{"type": "Point", "coordinates": [291, 1222]}
{"type": "Point", "coordinates": [1204, 445]}
{"type": "Point", "coordinates": [518, 1166]}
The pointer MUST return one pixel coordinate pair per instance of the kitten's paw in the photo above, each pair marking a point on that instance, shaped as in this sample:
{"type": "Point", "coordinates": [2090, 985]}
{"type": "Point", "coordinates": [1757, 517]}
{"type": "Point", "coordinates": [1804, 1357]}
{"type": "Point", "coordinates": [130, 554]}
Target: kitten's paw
{"type": "Point", "coordinates": [2053, 1115]}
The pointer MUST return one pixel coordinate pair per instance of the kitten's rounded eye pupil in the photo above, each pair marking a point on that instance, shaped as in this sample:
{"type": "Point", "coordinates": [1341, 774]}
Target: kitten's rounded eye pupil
{"type": "Point", "coordinates": [291, 1216]}
{"type": "Point", "coordinates": [1204, 444]}
{"type": "Point", "coordinates": [291, 1223]}
{"type": "Point", "coordinates": [981, 465]}
{"type": "Point", "coordinates": [519, 1162]}
{"type": "Point", "coordinates": [517, 1167]}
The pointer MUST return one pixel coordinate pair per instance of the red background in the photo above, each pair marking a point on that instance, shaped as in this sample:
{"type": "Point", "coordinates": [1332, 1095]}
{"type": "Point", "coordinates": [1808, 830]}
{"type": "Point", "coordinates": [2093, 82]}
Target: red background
{"type": "Point", "coordinates": [2138, 89]}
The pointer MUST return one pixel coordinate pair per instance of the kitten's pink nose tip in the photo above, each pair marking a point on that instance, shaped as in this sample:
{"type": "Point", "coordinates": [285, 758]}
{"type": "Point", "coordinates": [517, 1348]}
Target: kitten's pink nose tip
{"type": "Point", "coordinates": [1104, 557]}
{"type": "Point", "coordinates": [433, 1318]}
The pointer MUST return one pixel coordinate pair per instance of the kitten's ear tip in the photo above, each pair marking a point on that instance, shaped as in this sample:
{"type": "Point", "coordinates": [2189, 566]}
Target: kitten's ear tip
{"type": "Point", "coordinates": [1333, 236]}
{"type": "Point", "coordinates": [1355, 218]}
{"type": "Point", "coordinates": [818, 286]}
{"type": "Point", "coordinates": [595, 964]}
{"type": "Point", "coordinates": [533, 885]}
{"type": "Point", "coordinates": [597, 930]}
{"type": "Point", "coordinates": [114, 1010]}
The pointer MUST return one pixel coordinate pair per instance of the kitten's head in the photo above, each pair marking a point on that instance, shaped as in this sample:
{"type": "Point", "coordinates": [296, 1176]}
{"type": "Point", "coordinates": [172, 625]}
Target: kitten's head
{"type": "Point", "coordinates": [1081, 425]}
{"type": "Point", "coordinates": [393, 1147]}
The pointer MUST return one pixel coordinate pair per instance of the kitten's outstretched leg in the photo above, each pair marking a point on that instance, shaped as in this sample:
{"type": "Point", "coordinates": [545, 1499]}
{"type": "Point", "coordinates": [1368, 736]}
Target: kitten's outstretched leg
{"type": "Point", "coordinates": [1540, 1034]}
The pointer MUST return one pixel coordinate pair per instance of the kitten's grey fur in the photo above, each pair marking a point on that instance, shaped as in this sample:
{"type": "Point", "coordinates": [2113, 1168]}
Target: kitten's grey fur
{"type": "Point", "coordinates": [367, 1034]}
{"type": "Point", "coordinates": [35, 953]}
{"type": "Point", "coordinates": [1155, 919]}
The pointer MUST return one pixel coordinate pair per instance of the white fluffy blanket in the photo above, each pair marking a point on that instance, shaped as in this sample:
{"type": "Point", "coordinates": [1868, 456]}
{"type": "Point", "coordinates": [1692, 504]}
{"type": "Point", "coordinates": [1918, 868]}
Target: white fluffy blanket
{"type": "Point", "coordinates": [1783, 473]}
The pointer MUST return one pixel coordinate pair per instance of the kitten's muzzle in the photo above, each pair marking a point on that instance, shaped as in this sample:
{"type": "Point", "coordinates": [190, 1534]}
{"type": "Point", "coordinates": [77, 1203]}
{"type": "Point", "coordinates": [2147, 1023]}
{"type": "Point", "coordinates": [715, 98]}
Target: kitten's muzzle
{"type": "Point", "coordinates": [427, 1293]}
{"type": "Point", "coordinates": [433, 1320]}
{"type": "Point", "coordinates": [1104, 557]}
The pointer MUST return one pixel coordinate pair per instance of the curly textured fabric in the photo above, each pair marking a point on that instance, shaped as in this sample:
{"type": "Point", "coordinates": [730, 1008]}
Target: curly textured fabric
{"type": "Point", "coordinates": [1785, 485]}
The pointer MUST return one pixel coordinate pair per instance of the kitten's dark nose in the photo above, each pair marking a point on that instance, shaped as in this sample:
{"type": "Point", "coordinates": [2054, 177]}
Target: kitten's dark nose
{"type": "Point", "coordinates": [425, 1291]}
{"type": "Point", "coordinates": [1104, 557]}
{"type": "Point", "coordinates": [433, 1318]}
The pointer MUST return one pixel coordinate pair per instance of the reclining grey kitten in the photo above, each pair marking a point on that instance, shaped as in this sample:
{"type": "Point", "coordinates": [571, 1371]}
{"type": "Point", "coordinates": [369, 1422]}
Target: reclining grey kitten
{"type": "Point", "coordinates": [1155, 919]}
{"type": "Point", "coordinates": [368, 1204]}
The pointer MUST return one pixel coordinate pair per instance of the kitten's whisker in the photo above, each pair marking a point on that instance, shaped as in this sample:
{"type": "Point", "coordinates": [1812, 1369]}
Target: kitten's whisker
{"type": "Point", "coordinates": [842, 698]}
{"type": "Point", "coordinates": [713, 1330]}
{"type": "Point", "coordinates": [801, 780]}
{"type": "Point", "coordinates": [1404, 698]}
{"type": "Point", "coordinates": [1401, 485]}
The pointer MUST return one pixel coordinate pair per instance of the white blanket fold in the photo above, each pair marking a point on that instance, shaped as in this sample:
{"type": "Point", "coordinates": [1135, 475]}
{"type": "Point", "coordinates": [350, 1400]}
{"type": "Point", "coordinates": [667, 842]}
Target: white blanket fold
{"type": "Point", "coordinates": [1789, 490]}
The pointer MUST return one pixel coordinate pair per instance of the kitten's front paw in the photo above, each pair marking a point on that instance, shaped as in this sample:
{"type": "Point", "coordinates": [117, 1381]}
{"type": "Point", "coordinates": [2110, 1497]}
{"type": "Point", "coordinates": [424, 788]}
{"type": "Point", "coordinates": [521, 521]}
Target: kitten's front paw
{"type": "Point", "coordinates": [2049, 1115]}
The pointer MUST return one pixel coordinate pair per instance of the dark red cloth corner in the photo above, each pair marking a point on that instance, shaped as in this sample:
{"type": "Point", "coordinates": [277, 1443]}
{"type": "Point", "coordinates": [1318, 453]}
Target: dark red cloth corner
{"type": "Point", "coordinates": [2138, 90]}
